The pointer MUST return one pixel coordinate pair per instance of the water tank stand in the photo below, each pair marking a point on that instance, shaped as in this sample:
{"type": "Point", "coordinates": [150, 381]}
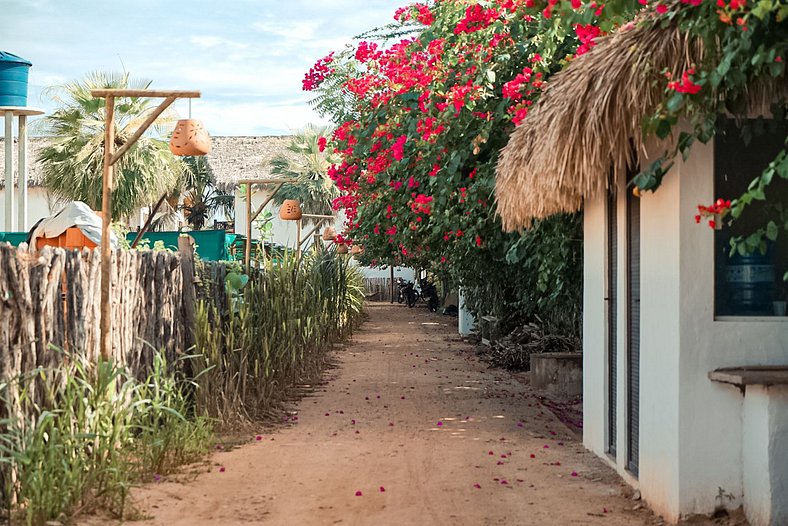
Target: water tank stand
{"type": "Point", "coordinates": [21, 113]}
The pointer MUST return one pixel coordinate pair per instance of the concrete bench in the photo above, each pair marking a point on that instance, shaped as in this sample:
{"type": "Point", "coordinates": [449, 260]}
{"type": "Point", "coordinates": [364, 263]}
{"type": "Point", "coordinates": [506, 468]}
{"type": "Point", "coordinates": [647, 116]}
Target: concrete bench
{"type": "Point", "coordinates": [558, 373]}
{"type": "Point", "coordinates": [764, 440]}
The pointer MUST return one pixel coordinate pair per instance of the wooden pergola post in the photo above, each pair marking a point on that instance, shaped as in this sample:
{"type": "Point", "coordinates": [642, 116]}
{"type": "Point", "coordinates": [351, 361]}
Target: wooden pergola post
{"type": "Point", "coordinates": [110, 158]}
{"type": "Point", "coordinates": [251, 216]}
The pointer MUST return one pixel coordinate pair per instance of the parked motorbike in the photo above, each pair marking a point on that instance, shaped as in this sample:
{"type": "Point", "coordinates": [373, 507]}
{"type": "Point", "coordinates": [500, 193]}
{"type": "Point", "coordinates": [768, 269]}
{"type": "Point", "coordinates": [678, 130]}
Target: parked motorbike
{"type": "Point", "coordinates": [407, 293]}
{"type": "Point", "coordinates": [430, 294]}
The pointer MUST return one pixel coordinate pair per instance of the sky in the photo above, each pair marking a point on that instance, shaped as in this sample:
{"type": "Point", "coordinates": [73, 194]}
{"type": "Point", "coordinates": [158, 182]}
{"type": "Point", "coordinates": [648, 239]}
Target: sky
{"type": "Point", "coordinates": [246, 57]}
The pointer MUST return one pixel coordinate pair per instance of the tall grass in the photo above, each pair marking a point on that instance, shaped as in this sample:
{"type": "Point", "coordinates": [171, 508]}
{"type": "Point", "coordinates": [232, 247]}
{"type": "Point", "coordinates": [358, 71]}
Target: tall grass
{"type": "Point", "coordinates": [292, 312]}
{"type": "Point", "coordinates": [98, 432]}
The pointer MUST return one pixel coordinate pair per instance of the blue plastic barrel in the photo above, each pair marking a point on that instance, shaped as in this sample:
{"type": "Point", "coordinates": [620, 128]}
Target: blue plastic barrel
{"type": "Point", "coordinates": [13, 79]}
{"type": "Point", "coordinates": [750, 282]}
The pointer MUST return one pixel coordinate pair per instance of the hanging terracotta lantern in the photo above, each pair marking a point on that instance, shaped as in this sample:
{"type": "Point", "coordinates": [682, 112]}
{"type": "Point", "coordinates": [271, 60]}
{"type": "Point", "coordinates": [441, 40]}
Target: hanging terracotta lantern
{"type": "Point", "coordinates": [342, 248]}
{"type": "Point", "coordinates": [290, 210]}
{"type": "Point", "coordinates": [329, 234]}
{"type": "Point", "coordinates": [190, 138]}
{"type": "Point", "coordinates": [357, 250]}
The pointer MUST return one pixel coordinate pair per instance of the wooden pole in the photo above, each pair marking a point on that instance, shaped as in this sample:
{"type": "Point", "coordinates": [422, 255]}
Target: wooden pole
{"type": "Point", "coordinates": [186, 249]}
{"type": "Point", "coordinates": [106, 205]}
{"type": "Point", "coordinates": [298, 237]}
{"type": "Point", "coordinates": [148, 221]}
{"type": "Point", "coordinates": [391, 283]}
{"type": "Point", "coordinates": [248, 256]}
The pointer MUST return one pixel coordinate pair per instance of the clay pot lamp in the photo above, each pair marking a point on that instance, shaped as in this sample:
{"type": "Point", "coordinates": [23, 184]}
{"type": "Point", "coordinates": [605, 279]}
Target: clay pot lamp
{"type": "Point", "coordinates": [290, 210]}
{"type": "Point", "coordinates": [190, 138]}
{"type": "Point", "coordinates": [329, 234]}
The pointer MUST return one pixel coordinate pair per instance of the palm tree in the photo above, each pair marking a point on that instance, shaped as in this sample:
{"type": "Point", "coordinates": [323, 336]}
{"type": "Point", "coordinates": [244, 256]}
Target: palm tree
{"type": "Point", "coordinates": [73, 161]}
{"type": "Point", "coordinates": [314, 189]}
{"type": "Point", "coordinates": [202, 199]}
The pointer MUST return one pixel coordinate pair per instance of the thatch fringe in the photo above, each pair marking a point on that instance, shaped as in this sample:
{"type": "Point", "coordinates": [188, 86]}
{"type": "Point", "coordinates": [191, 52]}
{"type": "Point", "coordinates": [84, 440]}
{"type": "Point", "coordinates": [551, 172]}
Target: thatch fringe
{"type": "Point", "coordinates": [586, 127]}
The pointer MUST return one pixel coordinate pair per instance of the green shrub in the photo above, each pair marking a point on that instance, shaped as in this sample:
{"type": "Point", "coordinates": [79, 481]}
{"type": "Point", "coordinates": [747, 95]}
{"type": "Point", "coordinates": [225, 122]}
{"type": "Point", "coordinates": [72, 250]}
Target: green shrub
{"type": "Point", "coordinates": [92, 433]}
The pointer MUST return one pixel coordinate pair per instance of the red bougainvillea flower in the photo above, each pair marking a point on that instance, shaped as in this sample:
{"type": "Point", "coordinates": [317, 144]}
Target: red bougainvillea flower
{"type": "Point", "coordinates": [318, 73]}
{"type": "Point", "coordinates": [719, 208]}
{"type": "Point", "coordinates": [382, 489]}
{"type": "Point", "coordinates": [533, 456]}
{"type": "Point", "coordinates": [358, 493]}
{"type": "Point", "coordinates": [321, 144]}
{"type": "Point", "coordinates": [477, 486]}
{"type": "Point", "coordinates": [662, 9]}
{"type": "Point", "coordinates": [686, 85]}
{"type": "Point", "coordinates": [258, 438]}
{"type": "Point", "coordinates": [221, 469]}
{"type": "Point", "coordinates": [574, 473]}
{"type": "Point", "coordinates": [440, 424]}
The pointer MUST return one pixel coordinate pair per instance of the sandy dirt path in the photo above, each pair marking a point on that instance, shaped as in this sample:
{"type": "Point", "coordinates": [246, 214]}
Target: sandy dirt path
{"type": "Point", "coordinates": [425, 432]}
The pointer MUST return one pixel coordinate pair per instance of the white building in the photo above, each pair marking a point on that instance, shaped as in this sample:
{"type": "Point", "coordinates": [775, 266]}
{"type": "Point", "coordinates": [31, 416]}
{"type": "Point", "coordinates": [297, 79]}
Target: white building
{"type": "Point", "coordinates": [664, 308]}
{"type": "Point", "coordinates": [39, 203]}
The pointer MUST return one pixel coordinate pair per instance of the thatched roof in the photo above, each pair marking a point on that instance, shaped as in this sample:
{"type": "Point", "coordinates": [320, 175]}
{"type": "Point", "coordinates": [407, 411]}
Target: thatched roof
{"type": "Point", "coordinates": [586, 127]}
{"type": "Point", "coordinates": [234, 158]}
{"type": "Point", "coordinates": [231, 158]}
{"type": "Point", "coordinates": [34, 174]}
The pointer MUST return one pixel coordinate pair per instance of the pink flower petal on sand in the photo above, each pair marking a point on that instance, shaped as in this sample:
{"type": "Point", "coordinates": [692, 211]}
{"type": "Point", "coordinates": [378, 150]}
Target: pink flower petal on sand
{"type": "Point", "coordinates": [519, 424]}
{"type": "Point", "coordinates": [477, 486]}
{"type": "Point", "coordinates": [382, 489]}
{"type": "Point", "coordinates": [504, 482]}
{"type": "Point", "coordinates": [500, 463]}
{"type": "Point", "coordinates": [440, 424]}
{"type": "Point", "coordinates": [545, 447]}
{"type": "Point", "coordinates": [258, 437]}
{"type": "Point", "coordinates": [328, 414]}
{"type": "Point", "coordinates": [490, 453]}
{"type": "Point", "coordinates": [366, 398]}
{"type": "Point", "coordinates": [402, 398]}
{"type": "Point", "coordinates": [391, 424]}
{"type": "Point", "coordinates": [221, 469]}
{"type": "Point", "coordinates": [533, 456]}
{"type": "Point", "coordinates": [574, 473]}
{"type": "Point", "coordinates": [357, 431]}
{"type": "Point", "coordinates": [358, 493]}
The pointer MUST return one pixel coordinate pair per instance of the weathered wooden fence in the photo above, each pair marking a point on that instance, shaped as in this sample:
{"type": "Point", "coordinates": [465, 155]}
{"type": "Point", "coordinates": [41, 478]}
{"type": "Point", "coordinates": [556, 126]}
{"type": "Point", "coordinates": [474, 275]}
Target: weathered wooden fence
{"type": "Point", "coordinates": [53, 297]}
{"type": "Point", "coordinates": [379, 289]}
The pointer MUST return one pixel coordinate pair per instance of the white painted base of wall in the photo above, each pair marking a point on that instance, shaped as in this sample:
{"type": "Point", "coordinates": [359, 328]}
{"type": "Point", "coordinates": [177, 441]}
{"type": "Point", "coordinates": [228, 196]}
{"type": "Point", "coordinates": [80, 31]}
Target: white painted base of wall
{"type": "Point", "coordinates": [465, 320]}
{"type": "Point", "coordinates": [765, 455]}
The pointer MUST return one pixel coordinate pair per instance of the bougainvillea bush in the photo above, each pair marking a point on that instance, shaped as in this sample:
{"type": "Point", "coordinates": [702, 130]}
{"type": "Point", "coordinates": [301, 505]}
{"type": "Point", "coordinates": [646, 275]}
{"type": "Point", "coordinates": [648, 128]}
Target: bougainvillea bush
{"type": "Point", "coordinates": [420, 121]}
{"type": "Point", "coordinates": [423, 107]}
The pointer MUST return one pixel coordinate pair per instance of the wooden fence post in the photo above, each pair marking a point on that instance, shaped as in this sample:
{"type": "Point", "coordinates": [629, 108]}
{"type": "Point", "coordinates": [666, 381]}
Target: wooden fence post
{"type": "Point", "coordinates": [186, 249]}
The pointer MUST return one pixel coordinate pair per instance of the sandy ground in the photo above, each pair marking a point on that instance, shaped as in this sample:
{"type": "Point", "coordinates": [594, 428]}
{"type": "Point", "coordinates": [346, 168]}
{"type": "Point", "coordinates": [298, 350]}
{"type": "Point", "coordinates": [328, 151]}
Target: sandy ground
{"type": "Point", "coordinates": [410, 429]}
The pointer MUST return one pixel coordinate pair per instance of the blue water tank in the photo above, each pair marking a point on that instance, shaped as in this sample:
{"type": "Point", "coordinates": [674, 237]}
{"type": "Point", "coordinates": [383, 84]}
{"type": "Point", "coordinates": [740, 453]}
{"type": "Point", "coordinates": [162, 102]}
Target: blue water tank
{"type": "Point", "coordinates": [13, 79]}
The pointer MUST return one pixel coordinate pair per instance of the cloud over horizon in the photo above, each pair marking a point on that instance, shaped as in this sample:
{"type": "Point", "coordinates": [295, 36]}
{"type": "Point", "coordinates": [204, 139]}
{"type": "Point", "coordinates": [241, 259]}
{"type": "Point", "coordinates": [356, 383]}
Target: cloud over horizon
{"type": "Point", "coordinates": [247, 58]}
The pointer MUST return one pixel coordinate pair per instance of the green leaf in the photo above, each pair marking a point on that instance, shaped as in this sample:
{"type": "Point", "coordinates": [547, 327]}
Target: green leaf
{"type": "Point", "coordinates": [675, 102]}
{"type": "Point", "coordinates": [663, 128]}
{"type": "Point", "coordinates": [772, 231]}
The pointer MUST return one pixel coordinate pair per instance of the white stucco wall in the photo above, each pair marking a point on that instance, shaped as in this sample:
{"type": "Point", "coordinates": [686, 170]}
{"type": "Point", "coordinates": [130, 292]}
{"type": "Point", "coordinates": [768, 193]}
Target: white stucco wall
{"type": "Point", "coordinates": [690, 428]}
{"type": "Point", "coordinates": [37, 208]}
{"type": "Point", "coordinates": [285, 232]}
{"type": "Point", "coordinates": [710, 411]}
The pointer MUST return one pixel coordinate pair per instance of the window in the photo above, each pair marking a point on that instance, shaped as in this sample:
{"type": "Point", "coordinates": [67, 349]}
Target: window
{"type": "Point", "coordinates": [750, 285]}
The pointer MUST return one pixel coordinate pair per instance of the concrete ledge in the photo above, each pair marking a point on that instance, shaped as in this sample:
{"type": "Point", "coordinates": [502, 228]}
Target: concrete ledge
{"type": "Point", "coordinates": [756, 375]}
{"type": "Point", "coordinates": [559, 374]}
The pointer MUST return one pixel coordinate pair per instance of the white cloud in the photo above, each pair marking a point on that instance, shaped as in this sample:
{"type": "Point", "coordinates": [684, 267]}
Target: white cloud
{"type": "Point", "coordinates": [247, 57]}
{"type": "Point", "coordinates": [257, 118]}
{"type": "Point", "coordinates": [214, 41]}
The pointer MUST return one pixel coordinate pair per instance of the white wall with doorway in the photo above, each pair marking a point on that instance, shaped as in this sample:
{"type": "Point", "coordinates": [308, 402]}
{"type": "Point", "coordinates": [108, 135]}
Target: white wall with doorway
{"type": "Point", "coordinates": [690, 427]}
